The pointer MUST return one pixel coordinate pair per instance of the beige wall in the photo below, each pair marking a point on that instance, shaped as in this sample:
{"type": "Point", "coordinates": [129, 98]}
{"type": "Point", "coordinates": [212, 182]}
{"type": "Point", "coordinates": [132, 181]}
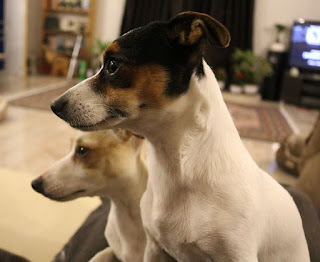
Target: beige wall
{"type": "Point", "coordinates": [15, 36]}
{"type": "Point", "coordinates": [108, 21]}
{"type": "Point", "coordinates": [34, 27]}
{"type": "Point", "coordinates": [269, 12]}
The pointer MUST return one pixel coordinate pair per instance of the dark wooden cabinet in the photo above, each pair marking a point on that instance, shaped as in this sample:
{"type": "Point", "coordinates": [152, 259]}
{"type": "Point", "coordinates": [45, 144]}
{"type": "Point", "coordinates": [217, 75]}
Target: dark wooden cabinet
{"type": "Point", "coordinates": [303, 90]}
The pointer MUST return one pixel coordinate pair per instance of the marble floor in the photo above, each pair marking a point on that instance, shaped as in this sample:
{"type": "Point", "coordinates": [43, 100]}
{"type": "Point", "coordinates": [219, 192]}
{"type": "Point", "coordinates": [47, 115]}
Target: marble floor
{"type": "Point", "coordinates": [10, 85]}
{"type": "Point", "coordinates": [31, 140]}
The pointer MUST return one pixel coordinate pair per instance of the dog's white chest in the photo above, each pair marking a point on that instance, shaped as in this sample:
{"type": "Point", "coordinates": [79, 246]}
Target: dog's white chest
{"type": "Point", "coordinates": [185, 229]}
{"type": "Point", "coordinates": [204, 192]}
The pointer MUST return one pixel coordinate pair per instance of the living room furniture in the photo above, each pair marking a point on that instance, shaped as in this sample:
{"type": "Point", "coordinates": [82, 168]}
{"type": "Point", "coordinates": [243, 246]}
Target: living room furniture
{"type": "Point", "coordinates": [271, 85]}
{"type": "Point", "coordinates": [303, 90]}
{"type": "Point", "coordinates": [62, 21]}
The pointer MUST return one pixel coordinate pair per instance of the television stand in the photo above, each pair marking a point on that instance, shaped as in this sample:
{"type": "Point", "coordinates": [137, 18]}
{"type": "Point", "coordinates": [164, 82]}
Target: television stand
{"type": "Point", "coordinates": [303, 90]}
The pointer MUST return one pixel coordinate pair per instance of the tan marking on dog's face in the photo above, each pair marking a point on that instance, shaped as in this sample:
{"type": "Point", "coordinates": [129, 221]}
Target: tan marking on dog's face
{"type": "Point", "coordinates": [151, 81]}
{"type": "Point", "coordinates": [105, 152]}
{"type": "Point", "coordinates": [106, 168]}
{"type": "Point", "coordinates": [147, 89]}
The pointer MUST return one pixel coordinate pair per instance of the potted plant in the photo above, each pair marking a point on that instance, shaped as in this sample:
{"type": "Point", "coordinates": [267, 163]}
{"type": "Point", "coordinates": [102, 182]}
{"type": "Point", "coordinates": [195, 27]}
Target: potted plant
{"type": "Point", "coordinates": [280, 28]}
{"type": "Point", "coordinates": [221, 77]}
{"type": "Point", "coordinates": [253, 68]}
{"type": "Point", "coordinates": [237, 82]}
{"type": "Point", "coordinates": [278, 46]}
{"type": "Point", "coordinates": [261, 69]}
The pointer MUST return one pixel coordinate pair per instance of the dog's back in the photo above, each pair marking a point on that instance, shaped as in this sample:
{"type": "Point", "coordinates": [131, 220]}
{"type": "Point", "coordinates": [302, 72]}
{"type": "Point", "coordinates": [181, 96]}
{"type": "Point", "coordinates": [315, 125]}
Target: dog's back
{"type": "Point", "coordinates": [279, 223]}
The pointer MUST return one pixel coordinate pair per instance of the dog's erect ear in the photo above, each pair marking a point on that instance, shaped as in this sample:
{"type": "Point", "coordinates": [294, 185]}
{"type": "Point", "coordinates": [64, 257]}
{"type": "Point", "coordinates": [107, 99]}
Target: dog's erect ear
{"type": "Point", "coordinates": [189, 28]}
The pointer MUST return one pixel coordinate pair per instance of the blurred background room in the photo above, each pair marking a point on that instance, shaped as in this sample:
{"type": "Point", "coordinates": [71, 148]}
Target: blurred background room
{"type": "Point", "coordinates": [269, 77]}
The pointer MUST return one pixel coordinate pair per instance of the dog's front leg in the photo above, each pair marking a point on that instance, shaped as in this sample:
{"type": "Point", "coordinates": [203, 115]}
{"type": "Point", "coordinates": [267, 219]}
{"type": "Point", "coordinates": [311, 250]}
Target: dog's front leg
{"type": "Point", "coordinates": [234, 254]}
{"type": "Point", "coordinates": [154, 253]}
{"type": "Point", "coordinates": [105, 255]}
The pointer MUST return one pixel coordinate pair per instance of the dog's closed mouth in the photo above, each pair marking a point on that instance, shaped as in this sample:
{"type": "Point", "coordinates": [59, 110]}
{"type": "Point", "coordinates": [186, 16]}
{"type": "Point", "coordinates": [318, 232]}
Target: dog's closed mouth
{"type": "Point", "coordinates": [67, 196]}
{"type": "Point", "coordinates": [113, 114]}
{"type": "Point", "coordinates": [75, 125]}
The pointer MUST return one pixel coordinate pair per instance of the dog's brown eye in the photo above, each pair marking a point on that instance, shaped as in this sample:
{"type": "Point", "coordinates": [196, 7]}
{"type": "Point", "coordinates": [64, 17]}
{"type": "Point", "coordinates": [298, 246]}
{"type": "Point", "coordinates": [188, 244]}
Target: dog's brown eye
{"type": "Point", "coordinates": [82, 151]}
{"type": "Point", "coordinates": [113, 66]}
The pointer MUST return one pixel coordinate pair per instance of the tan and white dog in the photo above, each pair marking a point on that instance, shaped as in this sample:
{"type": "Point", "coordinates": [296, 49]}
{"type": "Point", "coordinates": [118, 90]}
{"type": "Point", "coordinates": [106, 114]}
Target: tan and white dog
{"type": "Point", "coordinates": [206, 199]}
{"type": "Point", "coordinates": [109, 164]}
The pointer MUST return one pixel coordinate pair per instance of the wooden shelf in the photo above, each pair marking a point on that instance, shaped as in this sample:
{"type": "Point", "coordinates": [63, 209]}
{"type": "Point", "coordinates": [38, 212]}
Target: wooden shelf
{"type": "Point", "coordinates": [84, 17]}
{"type": "Point", "coordinates": [65, 53]}
{"type": "Point", "coordinates": [77, 11]}
{"type": "Point", "coordinates": [58, 31]}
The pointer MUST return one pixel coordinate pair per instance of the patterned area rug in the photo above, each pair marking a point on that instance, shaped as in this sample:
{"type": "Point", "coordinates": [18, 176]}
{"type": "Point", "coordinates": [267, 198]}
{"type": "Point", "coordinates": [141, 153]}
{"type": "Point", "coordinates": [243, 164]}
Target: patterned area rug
{"type": "Point", "coordinates": [263, 122]}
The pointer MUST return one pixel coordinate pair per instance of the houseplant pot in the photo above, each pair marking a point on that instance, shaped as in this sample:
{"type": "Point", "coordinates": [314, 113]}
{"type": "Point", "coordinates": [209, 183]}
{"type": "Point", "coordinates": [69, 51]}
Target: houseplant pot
{"type": "Point", "coordinates": [221, 84]}
{"type": "Point", "coordinates": [251, 89]}
{"type": "Point", "coordinates": [221, 77]}
{"type": "Point", "coordinates": [250, 70]}
{"type": "Point", "coordinates": [237, 82]}
{"type": "Point", "coordinates": [278, 46]}
{"type": "Point", "coordinates": [236, 88]}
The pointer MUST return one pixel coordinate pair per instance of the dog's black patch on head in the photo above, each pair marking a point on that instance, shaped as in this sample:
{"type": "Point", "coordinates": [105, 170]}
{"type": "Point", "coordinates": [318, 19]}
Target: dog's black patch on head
{"type": "Point", "coordinates": [106, 79]}
{"type": "Point", "coordinates": [150, 45]}
{"type": "Point", "coordinates": [178, 46]}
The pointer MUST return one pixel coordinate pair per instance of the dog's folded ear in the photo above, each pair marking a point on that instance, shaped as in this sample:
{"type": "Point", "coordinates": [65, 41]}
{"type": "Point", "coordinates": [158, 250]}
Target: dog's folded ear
{"type": "Point", "coordinates": [189, 28]}
{"type": "Point", "coordinates": [125, 135]}
{"type": "Point", "coordinates": [136, 142]}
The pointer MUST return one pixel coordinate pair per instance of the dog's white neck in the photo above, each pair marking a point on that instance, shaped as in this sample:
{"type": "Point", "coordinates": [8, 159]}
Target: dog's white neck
{"type": "Point", "coordinates": [124, 230]}
{"type": "Point", "coordinates": [126, 202]}
{"type": "Point", "coordinates": [197, 139]}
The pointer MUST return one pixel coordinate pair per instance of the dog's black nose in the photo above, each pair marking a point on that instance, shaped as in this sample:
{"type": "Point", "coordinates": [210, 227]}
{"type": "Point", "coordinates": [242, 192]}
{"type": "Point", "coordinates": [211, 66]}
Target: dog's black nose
{"type": "Point", "coordinates": [37, 184]}
{"type": "Point", "coordinates": [59, 105]}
